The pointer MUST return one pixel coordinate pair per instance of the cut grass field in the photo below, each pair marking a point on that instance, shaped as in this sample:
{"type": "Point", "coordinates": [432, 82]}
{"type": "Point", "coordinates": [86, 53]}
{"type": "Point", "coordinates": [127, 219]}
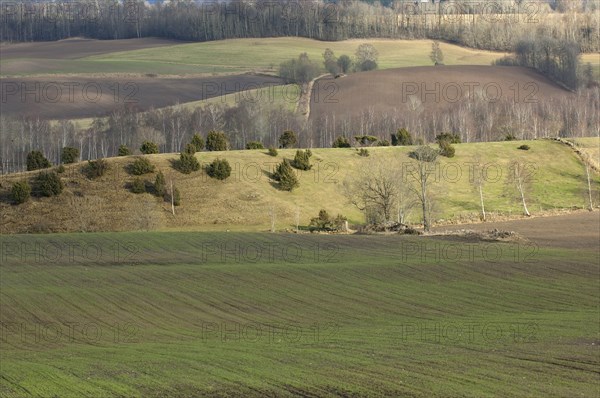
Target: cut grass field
{"type": "Point", "coordinates": [201, 314]}
{"type": "Point", "coordinates": [244, 201]}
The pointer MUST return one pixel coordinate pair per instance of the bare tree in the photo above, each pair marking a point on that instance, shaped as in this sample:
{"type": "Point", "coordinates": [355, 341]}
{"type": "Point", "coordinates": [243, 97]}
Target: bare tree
{"type": "Point", "coordinates": [589, 185]}
{"type": "Point", "coordinates": [376, 186]}
{"type": "Point", "coordinates": [520, 177]}
{"type": "Point", "coordinates": [477, 180]}
{"type": "Point", "coordinates": [422, 176]}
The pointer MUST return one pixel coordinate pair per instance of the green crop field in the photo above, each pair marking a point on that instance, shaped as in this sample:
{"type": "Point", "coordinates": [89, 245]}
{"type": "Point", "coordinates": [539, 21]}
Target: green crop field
{"type": "Point", "coordinates": [243, 55]}
{"type": "Point", "coordinates": [254, 315]}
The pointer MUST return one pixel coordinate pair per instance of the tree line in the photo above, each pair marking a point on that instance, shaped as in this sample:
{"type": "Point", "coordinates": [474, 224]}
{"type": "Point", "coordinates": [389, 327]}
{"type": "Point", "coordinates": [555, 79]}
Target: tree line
{"type": "Point", "coordinates": [465, 23]}
{"type": "Point", "coordinates": [247, 124]}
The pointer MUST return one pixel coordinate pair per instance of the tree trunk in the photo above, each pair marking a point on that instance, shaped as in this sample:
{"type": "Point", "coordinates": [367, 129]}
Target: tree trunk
{"type": "Point", "coordinates": [589, 184]}
{"type": "Point", "coordinates": [481, 199]}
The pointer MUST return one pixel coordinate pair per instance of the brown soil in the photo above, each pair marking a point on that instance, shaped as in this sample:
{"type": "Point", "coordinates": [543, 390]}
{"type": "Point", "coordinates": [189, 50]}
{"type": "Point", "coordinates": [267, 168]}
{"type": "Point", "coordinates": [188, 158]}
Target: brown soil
{"type": "Point", "coordinates": [77, 48]}
{"type": "Point", "coordinates": [579, 230]}
{"type": "Point", "coordinates": [389, 90]}
{"type": "Point", "coordinates": [56, 101]}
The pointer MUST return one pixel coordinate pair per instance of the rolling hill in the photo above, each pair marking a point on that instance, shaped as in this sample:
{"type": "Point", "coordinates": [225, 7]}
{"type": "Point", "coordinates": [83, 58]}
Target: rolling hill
{"type": "Point", "coordinates": [428, 89]}
{"type": "Point", "coordinates": [245, 201]}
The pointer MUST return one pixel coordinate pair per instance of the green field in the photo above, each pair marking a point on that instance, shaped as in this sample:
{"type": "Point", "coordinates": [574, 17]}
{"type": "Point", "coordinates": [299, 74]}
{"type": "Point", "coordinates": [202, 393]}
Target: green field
{"type": "Point", "coordinates": [181, 315]}
{"type": "Point", "coordinates": [243, 55]}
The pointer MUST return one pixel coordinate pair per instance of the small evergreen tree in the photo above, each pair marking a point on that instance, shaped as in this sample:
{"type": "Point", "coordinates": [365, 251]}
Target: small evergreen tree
{"type": "Point", "coordinates": [446, 149]}
{"type": "Point", "coordinates": [364, 140]}
{"type": "Point", "coordinates": [288, 139]}
{"type": "Point", "coordinates": [341, 142]}
{"type": "Point", "coordinates": [124, 150]}
{"type": "Point", "coordinates": [345, 63]}
{"type": "Point", "coordinates": [149, 148]}
{"type": "Point", "coordinates": [452, 138]}
{"type": "Point", "coordinates": [138, 186]}
{"type": "Point", "coordinates": [190, 149]}
{"type": "Point", "coordinates": [49, 184]}
{"type": "Point", "coordinates": [254, 145]}
{"type": "Point", "coordinates": [402, 137]}
{"type": "Point", "coordinates": [217, 141]}
{"type": "Point", "coordinates": [273, 152]}
{"type": "Point", "coordinates": [302, 160]}
{"type": "Point", "coordinates": [160, 184]}
{"type": "Point", "coordinates": [141, 166]}
{"type": "Point", "coordinates": [95, 168]}
{"type": "Point", "coordinates": [197, 142]}
{"type": "Point", "coordinates": [36, 161]}
{"type": "Point", "coordinates": [219, 169]}
{"type": "Point", "coordinates": [187, 163]}
{"type": "Point", "coordinates": [20, 192]}
{"type": "Point", "coordinates": [69, 155]}
{"type": "Point", "coordinates": [285, 175]}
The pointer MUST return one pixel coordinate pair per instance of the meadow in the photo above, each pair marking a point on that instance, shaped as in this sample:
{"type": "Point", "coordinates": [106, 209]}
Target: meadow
{"type": "Point", "coordinates": [246, 200]}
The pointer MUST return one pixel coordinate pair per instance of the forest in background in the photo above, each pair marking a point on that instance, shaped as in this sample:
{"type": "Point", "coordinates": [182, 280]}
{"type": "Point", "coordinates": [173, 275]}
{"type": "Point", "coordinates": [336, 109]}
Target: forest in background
{"type": "Point", "coordinates": [483, 25]}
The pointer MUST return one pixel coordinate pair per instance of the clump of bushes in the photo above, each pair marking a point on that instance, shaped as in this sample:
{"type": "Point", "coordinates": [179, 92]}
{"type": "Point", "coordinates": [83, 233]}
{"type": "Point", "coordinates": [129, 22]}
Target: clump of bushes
{"type": "Point", "coordinates": [255, 145]}
{"type": "Point", "coordinates": [383, 143]}
{"type": "Point", "coordinates": [187, 163]}
{"type": "Point", "coordinates": [510, 137]}
{"type": "Point", "coordinates": [20, 192]}
{"type": "Point", "coordinates": [288, 139]}
{"type": "Point", "coordinates": [138, 186]}
{"type": "Point", "coordinates": [302, 160]}
{"type": "Point", "coordinates": [149, 148]}
{"type": "Point", "coordinates": [219, 169]}
{"type": "Point", "coordinates": [365, 140]}
{"type": "Point", "coordinates": [363, 152]}
{"type": "Point", "coordinates": [217, 141]}
{"type": "Point", "coordinates": [285, 176]}
{"type": "Point", "coordinates": [95, 168]}
{"type": "Point", "coordinates": [60, 169]}
{"type": "Point", "coordinates": [524, 147]}
{"type": "Point", "coordinates": [341, 142]}
{"type": "Point", "coordinates": [273, 151]}
{"type": "Point", "coordinates": [324, 222]}
{"type": "Point", "coordinates": [69, 155]}
{"type": "Point", "coordinates": [141, 166]}
{"type": "Point", "coordinates": [37, 161]}
{"type": "Point", "coordinates": [49, 184]}
{"type": "Point", "coordinates": [446, 149]}
{"type": "Point", "coordinates": [124, 150]}
{"type": "Point", "coordinates": [402, 137]}
{"type": "Point", "coordinates": [449, 137]}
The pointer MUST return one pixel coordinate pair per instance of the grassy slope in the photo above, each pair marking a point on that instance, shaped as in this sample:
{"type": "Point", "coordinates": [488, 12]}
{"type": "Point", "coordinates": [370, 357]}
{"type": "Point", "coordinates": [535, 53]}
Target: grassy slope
{"type": "Point", "coordinates": [532, 324]}
{"type": "Point", "coordinates": [241, 55]}
{"type": "Point", "coordinates": [243, 202]}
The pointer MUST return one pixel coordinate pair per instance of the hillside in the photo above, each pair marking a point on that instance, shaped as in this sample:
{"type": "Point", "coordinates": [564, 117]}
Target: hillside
{"type": "Point", "coordinates": [244, 202]}
{"type": "Point", "coordinates": [428, 89]}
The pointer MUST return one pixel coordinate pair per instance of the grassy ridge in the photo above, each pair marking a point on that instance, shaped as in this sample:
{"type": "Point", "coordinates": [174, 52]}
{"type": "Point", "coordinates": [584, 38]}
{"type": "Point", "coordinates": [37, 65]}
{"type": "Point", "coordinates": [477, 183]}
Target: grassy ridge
{"type": "Point", "coordinates": [244, 201]}
{"type": "Point", "coordinates": [361, 305]}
